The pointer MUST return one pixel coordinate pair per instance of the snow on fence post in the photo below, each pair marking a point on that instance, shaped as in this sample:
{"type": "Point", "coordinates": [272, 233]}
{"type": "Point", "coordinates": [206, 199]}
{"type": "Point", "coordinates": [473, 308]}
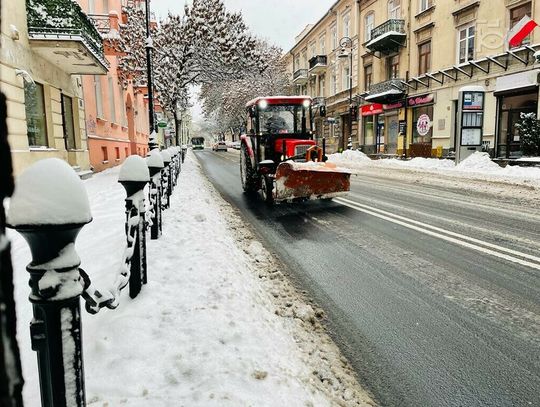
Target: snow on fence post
{"type": "Point", "coordinates": [166, 179]}
{"type": "Point", "coordinates": [134, 175]}
{"type": "Point", "coordinates": [11, 381]}
{"type": "Point", "coordinates": [49, 208]}
{"type": "Point", "coordinates": [155, 165]}
{"type": "Point", "coordinates": [172, 171]}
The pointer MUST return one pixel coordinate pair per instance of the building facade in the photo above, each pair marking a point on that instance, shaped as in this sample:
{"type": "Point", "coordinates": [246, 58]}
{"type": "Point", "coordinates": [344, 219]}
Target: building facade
{"type": "Point", "coordinates": [45, 49]}
{"type": "Point", "coordinates": [414, 57]}
{"type": "Point", "coordinates": [324, 65]}
{"type": "Point", "coordinates": [116, 112]}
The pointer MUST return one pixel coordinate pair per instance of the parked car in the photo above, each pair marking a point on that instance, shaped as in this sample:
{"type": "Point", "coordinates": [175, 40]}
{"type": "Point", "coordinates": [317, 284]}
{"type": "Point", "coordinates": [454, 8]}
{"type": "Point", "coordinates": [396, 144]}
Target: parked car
{"type": "Point", "coordinates": [236, 145]}
{"type": "Point", "coordinates": [220, 146]}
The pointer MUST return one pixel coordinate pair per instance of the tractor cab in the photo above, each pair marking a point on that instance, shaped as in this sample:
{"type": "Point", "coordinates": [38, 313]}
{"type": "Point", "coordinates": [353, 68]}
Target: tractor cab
{"type": "Point", "coordinates": [283, 126]}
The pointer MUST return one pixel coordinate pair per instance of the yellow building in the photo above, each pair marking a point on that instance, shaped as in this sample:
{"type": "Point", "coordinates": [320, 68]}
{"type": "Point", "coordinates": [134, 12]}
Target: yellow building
{"type": "Point", "coordinates": [415, 57]}
{"type": "Point", "coordinates": [410, 60]}
{"type": "Point", "coordinates": [323, 63]}
{"type": "Point", "coordinates": [45, 47]}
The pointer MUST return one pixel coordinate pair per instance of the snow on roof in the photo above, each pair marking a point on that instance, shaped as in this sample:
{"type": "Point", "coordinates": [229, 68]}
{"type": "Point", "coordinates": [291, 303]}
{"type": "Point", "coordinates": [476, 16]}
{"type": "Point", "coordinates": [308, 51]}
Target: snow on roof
{"type": "Point", "coordinates": [134, 169]}
{"type": "Point", "coordinates": [49, 193]}
{"type": "Point", "coordinates": [385, 93]}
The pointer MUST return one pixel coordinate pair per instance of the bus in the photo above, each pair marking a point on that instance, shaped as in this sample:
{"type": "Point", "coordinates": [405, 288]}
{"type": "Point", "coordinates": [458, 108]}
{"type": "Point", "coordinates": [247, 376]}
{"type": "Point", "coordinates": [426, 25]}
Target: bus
{"type": "Point", "coordinates": [197, 143]}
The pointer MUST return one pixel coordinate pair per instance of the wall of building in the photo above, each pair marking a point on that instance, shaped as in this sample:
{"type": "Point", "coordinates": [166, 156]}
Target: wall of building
{"type": "Point", "coordinates": [16, 53]}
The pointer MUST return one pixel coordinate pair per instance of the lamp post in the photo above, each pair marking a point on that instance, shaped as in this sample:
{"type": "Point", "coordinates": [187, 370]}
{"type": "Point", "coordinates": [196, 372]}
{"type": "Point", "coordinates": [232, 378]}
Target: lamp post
{"type": "Point", "coordinates": [152, 140]}
{"type": "Point", "coordinates": [346, 45]}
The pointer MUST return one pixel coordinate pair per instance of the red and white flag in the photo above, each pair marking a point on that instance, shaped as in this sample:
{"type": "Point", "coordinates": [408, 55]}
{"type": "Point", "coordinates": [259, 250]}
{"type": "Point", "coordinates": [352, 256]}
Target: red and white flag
{"type": "Point", "coordinates": [520, 31]}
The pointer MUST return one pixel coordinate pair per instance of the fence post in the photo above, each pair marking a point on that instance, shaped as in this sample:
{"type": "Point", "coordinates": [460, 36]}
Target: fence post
{"type": "Point", "coordinates": [134, 175]}
{"type": "Point", "coordinates": [166, 179]}
{"type": "Point", "coordinates": [184, 151]}
{"type": "Point", "coordinates": [11, 381]}
{"type": "Point", "coordinates": [154, 161]}
{"type": "Point", "coordinates": [49, 209]}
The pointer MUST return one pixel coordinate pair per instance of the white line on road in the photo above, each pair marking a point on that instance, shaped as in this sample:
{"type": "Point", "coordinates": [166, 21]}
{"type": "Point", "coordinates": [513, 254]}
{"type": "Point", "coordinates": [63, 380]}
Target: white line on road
{"type": "Point", "coordinates": [462, 240]}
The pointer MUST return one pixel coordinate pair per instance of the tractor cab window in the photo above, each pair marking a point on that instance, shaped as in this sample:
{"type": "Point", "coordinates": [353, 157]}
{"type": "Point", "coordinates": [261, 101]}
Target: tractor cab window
{"type": "Point", "coordinates": [278, 119]}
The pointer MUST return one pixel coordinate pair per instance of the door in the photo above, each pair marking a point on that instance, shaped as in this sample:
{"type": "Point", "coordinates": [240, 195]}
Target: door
{"type": "Point", "coordinates": [392, 131]}
{"type": "Point", "coordinates": [513, 143]}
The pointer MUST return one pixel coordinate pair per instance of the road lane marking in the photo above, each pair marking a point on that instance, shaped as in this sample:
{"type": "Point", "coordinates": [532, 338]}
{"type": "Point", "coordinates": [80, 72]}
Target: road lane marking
{"type": "Point", "coordinates": [447, 235]}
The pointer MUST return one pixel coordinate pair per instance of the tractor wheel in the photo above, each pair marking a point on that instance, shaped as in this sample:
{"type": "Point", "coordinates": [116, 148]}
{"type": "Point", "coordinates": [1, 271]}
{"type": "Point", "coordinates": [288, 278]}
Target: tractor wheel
{"type": "Point", "coordinates": [267, 188]}
{"type": "Point", "coordinates": [250, 180]}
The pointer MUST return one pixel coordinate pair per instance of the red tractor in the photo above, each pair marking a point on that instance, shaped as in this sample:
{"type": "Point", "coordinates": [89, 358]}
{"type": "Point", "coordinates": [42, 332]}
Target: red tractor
{"type": "Point", "coordinates": [279, 156]}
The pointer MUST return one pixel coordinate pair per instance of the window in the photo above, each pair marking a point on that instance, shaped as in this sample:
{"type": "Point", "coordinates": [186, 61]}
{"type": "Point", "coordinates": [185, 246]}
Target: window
{"type": "Point", "coordinates": [322, 45]}
{"type": "Point", "coordinates": [346, 77]}
{"type": "Point", "coordinates": [424, 58]}
{"type": "Point", "coordinates": [36, 123]}
{"type": "Point", "coordinates": [334, 84]}
{"type": "Point", "coordinates": [68, 123]}
{"type": "Point", "coordinates": [99, 97]}
{"type": "Point", "coordinates": [346, 25]}
{"type": "Point", "coordinates": [105, 154]}
{"type": "Point", "coordinates": [516, 14]}
{"type": "Point", "coordinates": [394, 9]}
{"type": "Point", "coordinates": [304, 59]}
{"type": "Point", "coordinates": [334, 37]}
{"type": "Point", "coordinates": [117, 151]}
{"type": "Point", "coordinates": [466, 44]}
{"type": "Point", "coordinates": [312, 49]}
{"type": "Point", "coordinates": [368, 76]}
{"type": "Point", "coordinates": [112, 104]}
{"type": "Point", "coordinates": [369, 25]}
{"type": "Point", "coordinates": [424, 5]}
{"type": "Point", "coordinates": [322, 85]}
{"type": "Point", "coordinates": [393, 67]}
{"type": "Point", "coordinates": [297, 62]}
{"type": "Point", "coordinates": [126, 151]}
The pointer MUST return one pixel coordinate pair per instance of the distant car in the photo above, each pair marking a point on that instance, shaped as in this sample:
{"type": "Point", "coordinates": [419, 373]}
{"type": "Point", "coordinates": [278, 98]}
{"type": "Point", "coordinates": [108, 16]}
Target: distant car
{"type": "Point", "coordinates": [236, 145]}
{"type": "Point", "coordinates": [220, 146]}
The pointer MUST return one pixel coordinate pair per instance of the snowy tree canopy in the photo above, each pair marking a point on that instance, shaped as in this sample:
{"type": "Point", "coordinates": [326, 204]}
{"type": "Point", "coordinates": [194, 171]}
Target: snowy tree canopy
{"type": "Point", "coordinates": [529, 134]}
{"type": "Point", "coordinates": [224, 102]}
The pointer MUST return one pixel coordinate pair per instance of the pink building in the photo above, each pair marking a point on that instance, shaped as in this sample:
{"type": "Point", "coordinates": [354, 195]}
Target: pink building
{"type": "Point", "coordinates": [116, 116]}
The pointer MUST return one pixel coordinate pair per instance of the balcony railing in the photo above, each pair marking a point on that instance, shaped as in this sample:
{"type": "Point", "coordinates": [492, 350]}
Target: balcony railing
{"type": "Point", "coordinates": [60, 27]}
{"type": "Point", "coordinates": [300, 75]}
{"type": "Point", "coordinates": [387, 36]}
{"type": "Point", "coordinates": [318, 61]}
{"type": "Point", "coordinates": [387, 91]}
{"type": "Point", "coordinates": [102, 22]}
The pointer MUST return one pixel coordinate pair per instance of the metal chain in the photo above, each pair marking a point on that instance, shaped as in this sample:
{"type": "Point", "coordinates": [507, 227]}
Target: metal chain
{"type": "Point", "coordinates": [96, 299]}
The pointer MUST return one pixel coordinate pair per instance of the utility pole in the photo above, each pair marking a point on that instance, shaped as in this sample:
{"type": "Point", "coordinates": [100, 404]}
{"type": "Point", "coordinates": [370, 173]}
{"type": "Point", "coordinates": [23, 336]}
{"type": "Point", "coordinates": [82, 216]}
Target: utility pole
{"type": "Point", "coordinates": [152, 140]}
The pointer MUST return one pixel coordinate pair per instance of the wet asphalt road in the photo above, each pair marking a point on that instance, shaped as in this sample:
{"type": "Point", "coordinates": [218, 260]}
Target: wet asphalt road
{"type": "Point", "coordinates": [432, 293]}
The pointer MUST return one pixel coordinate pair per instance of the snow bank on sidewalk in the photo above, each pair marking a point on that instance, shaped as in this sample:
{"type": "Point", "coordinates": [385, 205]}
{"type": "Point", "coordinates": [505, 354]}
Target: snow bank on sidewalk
{"type": "Point", "coordinates": [217, 325]}
{"type": "Point", "coordinates": [476, 166]}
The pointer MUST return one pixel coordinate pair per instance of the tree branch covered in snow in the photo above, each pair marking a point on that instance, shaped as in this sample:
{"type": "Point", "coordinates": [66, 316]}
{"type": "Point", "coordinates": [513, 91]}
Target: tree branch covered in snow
{"type": "Point", "coordinates": [224, 102]}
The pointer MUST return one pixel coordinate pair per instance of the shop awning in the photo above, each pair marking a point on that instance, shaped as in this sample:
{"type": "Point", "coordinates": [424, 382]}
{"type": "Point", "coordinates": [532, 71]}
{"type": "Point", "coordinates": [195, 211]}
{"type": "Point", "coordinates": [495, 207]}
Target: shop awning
{"type": "Point", "coordinates": [386, 96]}
{"type": "Point", "coordinates": [519, 81]}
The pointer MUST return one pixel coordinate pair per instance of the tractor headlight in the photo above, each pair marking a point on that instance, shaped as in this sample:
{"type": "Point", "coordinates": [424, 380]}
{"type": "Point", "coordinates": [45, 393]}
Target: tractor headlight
{"type": "Point", "coordinates": [306, 103]}
{"type": "Point", "coordinates": [263, 104]}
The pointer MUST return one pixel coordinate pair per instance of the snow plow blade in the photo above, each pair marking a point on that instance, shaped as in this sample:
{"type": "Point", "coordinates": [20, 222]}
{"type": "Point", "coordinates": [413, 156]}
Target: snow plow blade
{"type": "Point", "coordinates": [310, 180]}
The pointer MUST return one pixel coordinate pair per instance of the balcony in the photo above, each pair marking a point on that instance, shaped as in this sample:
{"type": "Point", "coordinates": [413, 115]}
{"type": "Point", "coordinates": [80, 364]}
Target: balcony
{"type": "Point", "coordinates": [102, 22]}
{"type": "Point", "coordinates": [388, 37]}
{"type": "Point", "coordinates": [386, 92]}
{"type": "Point", "coordinates": [300, 76]}
{"type": "Point", "coordinates": [317, 64]}
{"type": "Point", "coordinates": [60, 32]}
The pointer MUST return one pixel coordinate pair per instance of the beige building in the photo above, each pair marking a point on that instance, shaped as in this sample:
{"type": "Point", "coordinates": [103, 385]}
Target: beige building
{"type": "Point", "coordinates": [323, 63]}
{"type": "Point", "coordinates": [45, 47]}
{"type": "Point", "coordinates": [413, 58]}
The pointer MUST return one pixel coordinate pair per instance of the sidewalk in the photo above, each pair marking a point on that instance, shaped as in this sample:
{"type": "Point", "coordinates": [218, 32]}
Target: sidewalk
{"type": "Point", "coordinates": [217, 325]}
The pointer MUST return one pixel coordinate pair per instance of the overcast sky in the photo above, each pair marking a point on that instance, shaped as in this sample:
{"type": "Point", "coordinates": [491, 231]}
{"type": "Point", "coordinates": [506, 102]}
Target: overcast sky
{"type": "Point", "coordinates": [279, 21]}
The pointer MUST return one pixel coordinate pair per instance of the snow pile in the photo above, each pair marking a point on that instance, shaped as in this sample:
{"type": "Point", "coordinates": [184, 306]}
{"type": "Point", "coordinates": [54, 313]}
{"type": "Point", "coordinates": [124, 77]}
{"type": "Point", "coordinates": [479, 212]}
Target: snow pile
{"type": "Point", "coordinates": [134, 168]}
{"type": "Point", "coordinates": [49, 192]}
{"type": "Point", "coordinates": [478, 161]}
{"type": "Point", "coordinates": [352, 159]}
{"type": "Point", "coordinates": [218, 324]}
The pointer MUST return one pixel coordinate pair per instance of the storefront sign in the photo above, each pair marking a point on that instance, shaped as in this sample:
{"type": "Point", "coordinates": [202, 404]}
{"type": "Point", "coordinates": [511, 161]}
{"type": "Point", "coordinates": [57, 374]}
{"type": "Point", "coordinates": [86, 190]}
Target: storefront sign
{"type": "Point", "coordinates": [421, 100]}
{"type": "Point", "coordinates": [372, 109]}
{"type": "Point", "coordinates": [517, 81]}
{"type": "Point", "coordinates": [403, 127]}
{"type": "Point", "coordinates": [423, 125]}
{"type": "Point", "coordinates": [396, 105]}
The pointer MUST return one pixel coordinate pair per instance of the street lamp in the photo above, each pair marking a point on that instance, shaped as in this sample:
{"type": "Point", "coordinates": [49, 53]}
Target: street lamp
{"type": "Point", "coordinates": [152, 140]}
{"type": "Point", "coordinates": [346, 51]}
